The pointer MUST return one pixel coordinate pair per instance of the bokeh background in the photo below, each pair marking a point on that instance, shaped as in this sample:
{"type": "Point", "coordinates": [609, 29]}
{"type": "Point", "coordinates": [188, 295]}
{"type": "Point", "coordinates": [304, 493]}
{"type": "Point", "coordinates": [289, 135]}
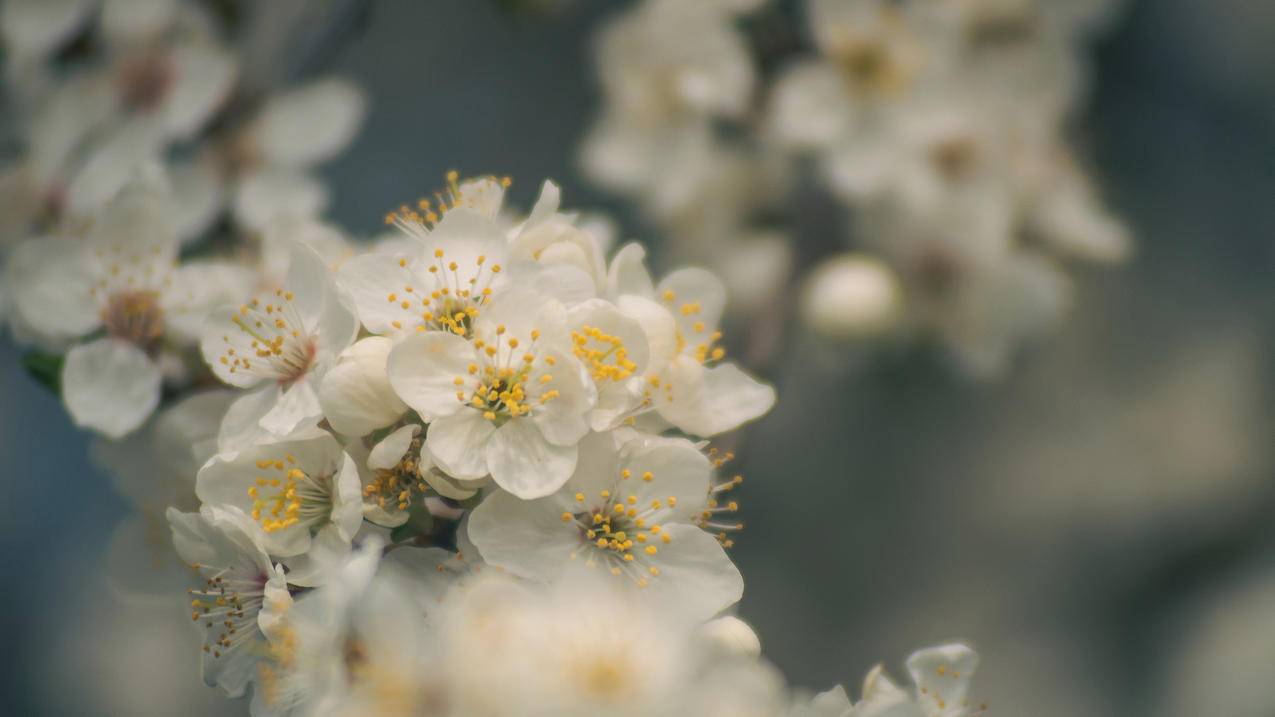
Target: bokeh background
{"type": "Point", "coordinates": [1095, 522]}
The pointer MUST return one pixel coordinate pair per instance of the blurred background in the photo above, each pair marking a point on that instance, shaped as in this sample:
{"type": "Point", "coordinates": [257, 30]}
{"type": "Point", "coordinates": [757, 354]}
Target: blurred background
{"type": "Point", "coordinates": [1094, 521]}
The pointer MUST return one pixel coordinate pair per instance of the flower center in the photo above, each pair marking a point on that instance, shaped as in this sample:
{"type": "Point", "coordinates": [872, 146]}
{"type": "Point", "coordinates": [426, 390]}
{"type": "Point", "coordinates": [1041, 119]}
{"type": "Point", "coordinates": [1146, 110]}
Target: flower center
{"type": "Point", "coordinates": [604, 355]}
{"type": "Point", "coordinates": [134, 316]}
{"type": "Point", "coordinates": [398, 484]}
{"type": "Point", "coordinates": [144, 80]}
{"type": "Point", "coordinates": [502, 385]}
{"type": "Point", "coordinates": [617, 531]}
{"type": "Point", "coordinates": [454, 301]}
{"type": "Point", "coordinates": [954, 158]}
{"type": "Point", "coordinates": [229, 600]}
{"type": "Point", "coordinates": [282, 349]}
{"type": "Point", "coordinates": [287, 496]}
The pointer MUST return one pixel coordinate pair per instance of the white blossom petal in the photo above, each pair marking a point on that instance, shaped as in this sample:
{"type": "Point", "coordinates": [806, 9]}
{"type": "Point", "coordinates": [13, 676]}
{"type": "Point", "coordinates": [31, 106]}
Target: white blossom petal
{"type": "Point", "coordinates": [458, 444]}
{"type": "Point", "coordinates": [522, 462]}
{"type": "Point", "coordinates": [110, 386]}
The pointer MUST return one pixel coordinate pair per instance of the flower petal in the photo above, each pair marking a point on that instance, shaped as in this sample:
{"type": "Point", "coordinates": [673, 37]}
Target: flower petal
{"type": "Point", "coordinates": [110, 386]}
{"type": "Point", "coordinates": [522, 462]}
{"type": "Point", "coordinates": [458, 444]}
{"type": "Point", "coordinates": [387, 454]}
{"type": "Point", "coordinates": [310, 124]}
{"type": "Point", "coordinates": [708, 401]}
{"type": "Point", "coordinates": [527, 538]}
{"type": "Point", "coordinates": [695, 573]}
{"type": "Point", "coordinates": [423, 369]}
{"type": "Point", "coordinates": [356, 395]}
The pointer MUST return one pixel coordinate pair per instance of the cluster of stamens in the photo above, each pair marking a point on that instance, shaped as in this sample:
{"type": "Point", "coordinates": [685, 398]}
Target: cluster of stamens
{"type": "Point", "coordinates": [453, 303]}
{"type": "Point", "coordinates": [603, 354]}
{"type": "Point", "coordinates": [427, 212]}
{"type": "Point", "coordinates": [502, 382]}
{"type": "Point", "coordinates": [288, 495]}
{"type": "Point", "coordinates": [710, 518]}
{"type": "Point", "coordinates": [621, 531]}
{"type": "Point", "coordinates": [281, 348]}
{"type": "Point", "coordinates": [227, 601]}
{"type": "Point", "coordinates": [134, 316]}
{"type": "Point", "coordinates": [397, 485]}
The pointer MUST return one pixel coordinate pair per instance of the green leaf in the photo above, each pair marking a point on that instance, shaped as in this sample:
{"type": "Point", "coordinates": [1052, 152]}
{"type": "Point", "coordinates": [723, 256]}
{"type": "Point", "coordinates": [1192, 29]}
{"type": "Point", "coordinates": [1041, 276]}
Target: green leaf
{"type": "Point", "coordinates": [46, 369]}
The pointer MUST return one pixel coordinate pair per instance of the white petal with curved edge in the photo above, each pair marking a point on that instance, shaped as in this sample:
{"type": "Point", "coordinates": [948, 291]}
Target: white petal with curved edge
{"type": "Point", "coordinates": [371, 279]}
{"type": "Point", "coordinates": [205, 76]}
{"type": "Point", "coordinates": [423, 369]}
{"type": "Point", "coordinates": [298, 406]}
{"type": "Point", "coordinates": [387, 454]}
{"type": "Point", "coordinates": [628, 274]}
{"type": "Point", "coordinates": [695, 573]}
{"type": "Point", "coordinates": [129, 153]}
{"type": "Point", "coordinates": [522, 462]}
{"type": "Point", "coordinates": [310, 124]}
{"type": "Point", "coordinates": [458, 444]}
{"type": "Point", "coordinates": [110, 386]}
{"type": "Point", "coordinates": [48, 286]}
{"type": "Point", "coordinates": [527, 538]}
{"type": "Point", "coordinates": [356, 394]}
{"type": "Point", "coordinates": [709, 401]}
{"type": "Point", "coordinates": [275, 193]}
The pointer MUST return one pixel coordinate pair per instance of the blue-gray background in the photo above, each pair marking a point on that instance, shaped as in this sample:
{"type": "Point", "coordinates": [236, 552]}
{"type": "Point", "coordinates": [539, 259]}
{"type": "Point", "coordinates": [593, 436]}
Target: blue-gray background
{"type": "Point", "coordinates": [1085, 521]}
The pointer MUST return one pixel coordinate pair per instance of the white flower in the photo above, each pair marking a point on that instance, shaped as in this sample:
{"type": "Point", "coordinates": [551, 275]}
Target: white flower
{"type": "Point", "coordinates": [321, 652]}
{"type": "Point", "coordinates": [452, 275]}
{"type": "Point", "coordinates": [511, 402]}
{"type": "Point", "coordinates": [297, 487]}
{"type": "Point", "coordinates": [240, 594]}
{"type": "Point", "coordinates": [572, 266]}
{"type": "Point", "coordinates": [941, 676]}
{"type": "Point", "coordinates": [282, 343]}
{"type": "Point", "coordinates": [628, 510]}
{"type": "Point", "coordinates": [598, 650]}
{"type": "Point", "coordinates": [688, 383]}
{"type": "Point", "coordinates": [123, 279]}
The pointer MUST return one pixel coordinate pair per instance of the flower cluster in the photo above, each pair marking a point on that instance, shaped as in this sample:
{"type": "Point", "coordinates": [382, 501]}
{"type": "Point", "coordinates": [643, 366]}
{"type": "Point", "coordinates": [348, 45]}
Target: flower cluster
{"type": "Point", "coordinates": [152, 184]}
{"type": "Point", "coordinates": [467, 472]}
{"type": "Point", "coordinates": [937, 125]}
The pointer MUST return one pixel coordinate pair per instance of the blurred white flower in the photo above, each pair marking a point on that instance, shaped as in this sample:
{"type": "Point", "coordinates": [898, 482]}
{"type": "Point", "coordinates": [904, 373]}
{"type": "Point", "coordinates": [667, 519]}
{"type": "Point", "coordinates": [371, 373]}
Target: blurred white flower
{"type": "Point", "coordinates": [851, 296]}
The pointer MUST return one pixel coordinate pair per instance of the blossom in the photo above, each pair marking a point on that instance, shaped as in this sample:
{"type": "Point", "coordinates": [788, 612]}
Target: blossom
{"type": "Point", "coordinates": [240, 594]}
{"type": "Point", "coordinates": [629, 510]}
{"type": "Point", "coordinates": [453, 273]}
{"type": "Point", "coordinates": [509, 401]}
{"type": "Point", "coordinates": [123, 279]}
{"type": "Point", "coordinates": [295, 487]}
{"type": "Point", "coordinates": [398, 473]}
{"type": "Point", "coordinates": [688, 382]}
{"type": "Point", "coordinates": [282, 343]}
{"type": "Point", "coordinates": [941, 678]}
